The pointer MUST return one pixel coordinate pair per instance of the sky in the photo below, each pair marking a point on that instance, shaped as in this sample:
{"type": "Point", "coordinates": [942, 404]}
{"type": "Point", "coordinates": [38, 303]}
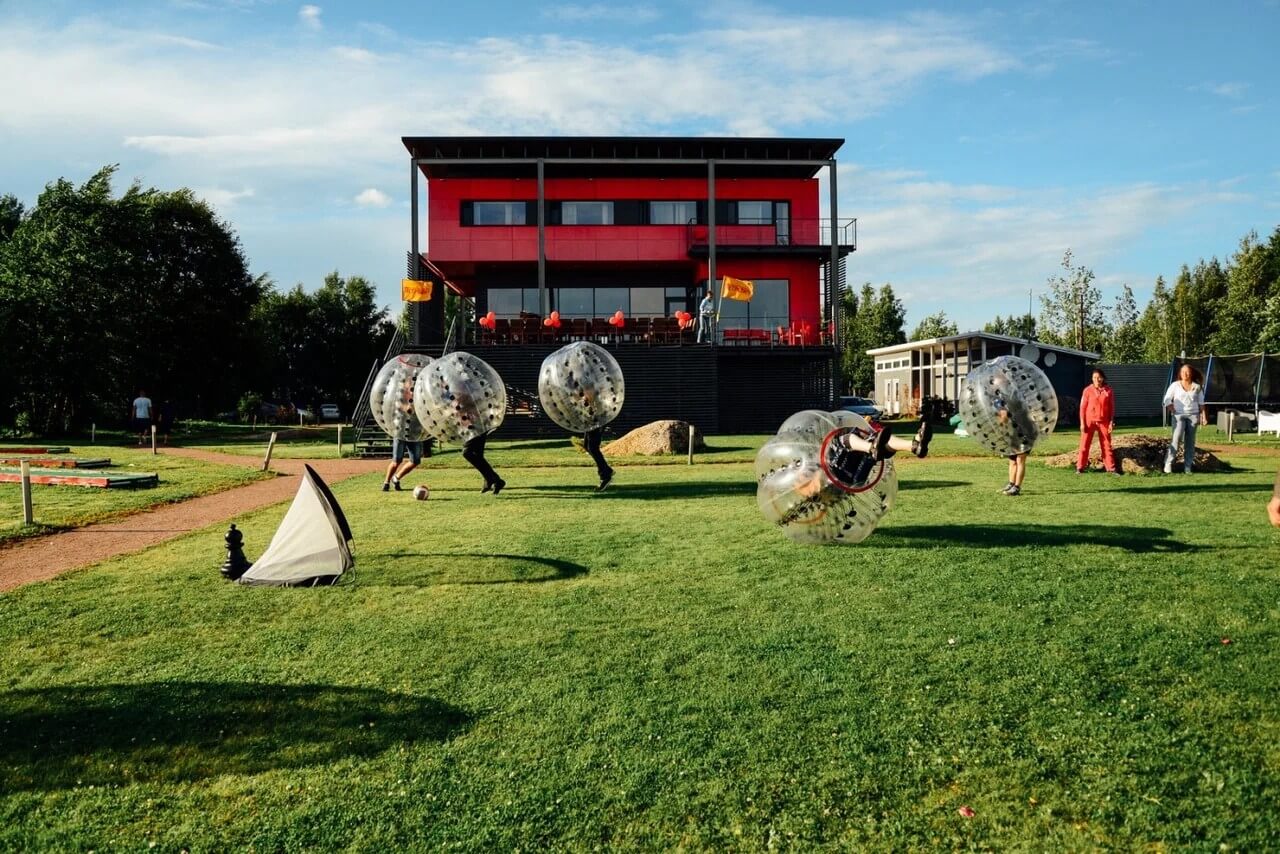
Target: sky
{"type": "Point", "coordinates": [982, 141]}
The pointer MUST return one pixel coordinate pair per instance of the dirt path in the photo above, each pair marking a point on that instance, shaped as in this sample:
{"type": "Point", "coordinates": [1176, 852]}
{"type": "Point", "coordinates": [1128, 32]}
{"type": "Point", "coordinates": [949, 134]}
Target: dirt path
{"type": "Point", "coordinates": [43, 558]}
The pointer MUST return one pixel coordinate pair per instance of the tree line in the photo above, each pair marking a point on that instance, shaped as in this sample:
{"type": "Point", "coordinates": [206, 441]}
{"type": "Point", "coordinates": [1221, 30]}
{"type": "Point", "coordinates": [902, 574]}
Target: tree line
{"type": "Point", "coordinates": [102, 295]}
{"type": "Point", "coordinates": [1212, 307]}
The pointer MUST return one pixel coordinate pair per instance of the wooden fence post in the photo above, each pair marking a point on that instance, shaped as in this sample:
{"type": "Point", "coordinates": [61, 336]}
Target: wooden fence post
{"type": "Point", "coordinates": [690, 444]}
{"type": "Point", "coordinates": [266, 463]}
{"type": "Point", "coordinates": [28, 517]}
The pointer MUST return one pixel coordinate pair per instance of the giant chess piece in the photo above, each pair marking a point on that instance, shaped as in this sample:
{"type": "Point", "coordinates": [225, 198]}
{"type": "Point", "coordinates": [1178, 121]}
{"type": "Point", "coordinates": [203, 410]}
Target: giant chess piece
{"type": "Point", "coordinates": [236, 564]}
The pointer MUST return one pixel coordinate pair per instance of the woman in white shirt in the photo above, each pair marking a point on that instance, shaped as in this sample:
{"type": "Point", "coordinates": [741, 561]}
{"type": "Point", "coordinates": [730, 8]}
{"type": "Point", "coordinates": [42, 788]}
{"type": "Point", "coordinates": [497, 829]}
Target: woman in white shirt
{"type": "Point", "coordinates": [1184, 400]}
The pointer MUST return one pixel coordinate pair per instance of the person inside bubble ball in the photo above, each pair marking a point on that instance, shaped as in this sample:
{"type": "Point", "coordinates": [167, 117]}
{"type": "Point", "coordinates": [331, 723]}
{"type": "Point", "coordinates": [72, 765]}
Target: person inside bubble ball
{"type": "Point", "coordinates": [857, 451]}
{"type": "Point", "coordinates": [473, 449]}
{"type": "Point", "coordinates": [1018, 461]}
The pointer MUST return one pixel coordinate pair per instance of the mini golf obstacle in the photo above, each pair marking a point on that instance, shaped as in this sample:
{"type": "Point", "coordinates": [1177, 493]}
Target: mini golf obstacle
{"type": "Point", "coordinates": [57, 462]}
{"type": "Point", "coordinates": [85, 477]}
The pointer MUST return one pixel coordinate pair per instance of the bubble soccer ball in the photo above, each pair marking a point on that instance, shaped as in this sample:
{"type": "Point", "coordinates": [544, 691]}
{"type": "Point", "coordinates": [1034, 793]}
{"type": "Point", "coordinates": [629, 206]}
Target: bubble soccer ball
{"type": "Point", "coordinates": [391, 398]}
{"type": "Point", "coordinates": [1019, 389]}
{"type": "Point", "coordinates": [798, 489]}
{"type": "Point", "coordinates": [459, 397]}
{"type": "Point", "coordinates": [581, 387]}
{"type": "Point", "coordinates": [422, 492]}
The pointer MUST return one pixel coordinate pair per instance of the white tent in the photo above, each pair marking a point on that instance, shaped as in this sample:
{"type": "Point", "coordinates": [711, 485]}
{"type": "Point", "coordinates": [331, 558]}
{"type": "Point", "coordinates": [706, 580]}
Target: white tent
{"type": "Point", "coordinates": [312, 546]}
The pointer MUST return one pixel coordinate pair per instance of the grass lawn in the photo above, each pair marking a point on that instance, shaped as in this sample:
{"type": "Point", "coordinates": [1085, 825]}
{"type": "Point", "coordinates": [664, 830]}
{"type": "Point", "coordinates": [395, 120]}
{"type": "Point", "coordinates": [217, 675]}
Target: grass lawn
{"type": "Point", "coordinates": [656, 667]}
{"type": "Point", "coordinates": [68, 506]}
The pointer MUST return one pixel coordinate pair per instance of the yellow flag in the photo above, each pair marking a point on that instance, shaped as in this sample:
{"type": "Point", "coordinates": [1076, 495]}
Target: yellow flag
{"type": "Point", "coordinates": [739, 289]}
{"type": "Point", "coordinates": [414, 290]}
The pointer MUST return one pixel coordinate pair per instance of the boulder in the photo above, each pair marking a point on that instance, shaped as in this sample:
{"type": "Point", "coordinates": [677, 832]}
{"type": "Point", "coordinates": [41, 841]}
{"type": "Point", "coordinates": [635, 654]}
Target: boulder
{"type": "Point", "coordinates": [1139, 454]}
{"type": "Point", "coordinates": [660, 437]}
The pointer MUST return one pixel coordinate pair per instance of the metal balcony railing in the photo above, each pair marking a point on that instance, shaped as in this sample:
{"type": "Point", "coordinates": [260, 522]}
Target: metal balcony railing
{"type": "Point", "coordinates": [789, 232]}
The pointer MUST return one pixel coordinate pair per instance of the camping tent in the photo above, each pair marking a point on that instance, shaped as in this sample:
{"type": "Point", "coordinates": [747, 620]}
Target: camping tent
{"type": "Point", "coordinates": [312, 545]}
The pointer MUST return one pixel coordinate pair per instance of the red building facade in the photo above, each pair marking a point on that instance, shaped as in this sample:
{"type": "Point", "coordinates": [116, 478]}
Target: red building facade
{"type": "Point", "coordinates": [589, 226]}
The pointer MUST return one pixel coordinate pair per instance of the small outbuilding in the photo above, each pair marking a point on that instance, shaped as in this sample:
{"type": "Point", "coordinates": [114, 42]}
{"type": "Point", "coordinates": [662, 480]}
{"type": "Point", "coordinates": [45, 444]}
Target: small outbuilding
{"type": "Point", "coordinates": [911, 373]}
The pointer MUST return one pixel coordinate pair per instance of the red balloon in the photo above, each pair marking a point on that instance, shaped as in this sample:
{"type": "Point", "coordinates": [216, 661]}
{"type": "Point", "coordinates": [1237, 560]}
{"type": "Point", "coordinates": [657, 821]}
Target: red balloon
{"type": "Point", "coordinates": [546, 321]}
{"type": "Point", "coordinates": [618, 314]}
{"type": "Point", "coordinates": [555, 315]}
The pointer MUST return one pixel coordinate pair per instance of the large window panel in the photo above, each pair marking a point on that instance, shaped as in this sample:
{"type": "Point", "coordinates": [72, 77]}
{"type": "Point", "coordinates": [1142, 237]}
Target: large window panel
{"type": "Point", "coordinates": [755, 213]}
{"type": "Point", "coordinates": [609, 300]}
{"type": "Point", "coordinates": [575, 302]}
{"type": "Point", "coordinates": [586, 213]}
{"type": "Point", "coordinates": [771, 304]}
{"type": "Point", "coordinates": [499, 213]}
{"type": "Point", "coordinates": [672, 213]}
{"type": "Point", "coordinates": [648, 302]}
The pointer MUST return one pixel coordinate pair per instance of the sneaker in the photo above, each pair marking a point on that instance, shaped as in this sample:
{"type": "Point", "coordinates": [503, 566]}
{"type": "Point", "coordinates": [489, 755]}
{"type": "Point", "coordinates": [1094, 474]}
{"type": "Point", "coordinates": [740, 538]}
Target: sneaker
{"type": "Point", "coordinates": [498, 485]}
{"type": "Point", "coordinates": [880, 448]}
{"type": "Point", "coordinates": [1079, 471]}
{"type": "Point", "coordinates": [396, 483]}
{"type": "Point", "coordinates": [1013, 490]}
{"type": "Point", "coordinates": [386, 487]}
{"type": "Point", "coordinates": [605, 481]}
{"type": "Point", "coordinates": [1168, 468]}
{"type": "Point", "coordinates": [924, 435]}
{"type": "Point", "coordinates": [488, 487]}
{"type": "Point", "coordinates": [1114, 472]}
{"type": "Point", "coordinates": [1007, 487]}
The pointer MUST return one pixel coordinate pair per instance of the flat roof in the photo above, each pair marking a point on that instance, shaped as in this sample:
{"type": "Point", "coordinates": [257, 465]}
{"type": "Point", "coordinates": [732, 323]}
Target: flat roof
{"type": "Point", "coordinates": [503, 156]}
{"type": "Point", "coordinates": [969, 336]}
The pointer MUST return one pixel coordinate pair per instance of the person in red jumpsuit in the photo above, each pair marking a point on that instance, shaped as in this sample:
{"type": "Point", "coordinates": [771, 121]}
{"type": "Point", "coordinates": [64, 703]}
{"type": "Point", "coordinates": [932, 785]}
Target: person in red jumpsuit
{"type": "Point", "coordinates": [1097, 415]}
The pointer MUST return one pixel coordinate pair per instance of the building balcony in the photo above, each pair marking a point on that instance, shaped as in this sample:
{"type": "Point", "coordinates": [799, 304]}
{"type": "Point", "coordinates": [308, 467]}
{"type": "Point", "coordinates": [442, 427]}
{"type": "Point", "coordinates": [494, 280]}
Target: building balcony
{"type": "Point", "coordinates": [789, 237]}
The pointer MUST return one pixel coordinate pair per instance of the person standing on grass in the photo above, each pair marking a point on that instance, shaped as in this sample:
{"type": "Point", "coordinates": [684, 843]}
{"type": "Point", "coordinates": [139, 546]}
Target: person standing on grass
{"type": "Point", "coordinates": [140, 415]}
{"type": "Point", "coordinates": [399, 466]}
{"type": "Point", "coordinates": [1097, 415]}
{"type": "Point", "coordinates": [1017, 461]}
{"type": "Point", "coordinates": [1273, 506]}
{"type": "Point", "coordinates": [1184, 400]}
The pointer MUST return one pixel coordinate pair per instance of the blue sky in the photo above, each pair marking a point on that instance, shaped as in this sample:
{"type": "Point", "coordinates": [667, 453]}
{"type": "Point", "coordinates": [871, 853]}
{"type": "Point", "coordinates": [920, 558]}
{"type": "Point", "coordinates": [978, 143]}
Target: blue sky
{"type": "Point", "coordinates": [982, 141]}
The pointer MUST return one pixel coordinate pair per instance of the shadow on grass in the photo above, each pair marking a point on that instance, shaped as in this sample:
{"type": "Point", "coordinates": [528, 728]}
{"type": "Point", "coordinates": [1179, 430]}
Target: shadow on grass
{"type": "Point", "coordinates": [60, 738]}
{"type": "Point", "coordinates": [931, 484]}
{"type": "Point", "coordinates": [1193, 487]}
{"type": "Point", "coordinates": [470, 568]}
{"type": "Point", "coordinates": [621, 489]}
{"type": "Point", "coordinates": [1133, 539]}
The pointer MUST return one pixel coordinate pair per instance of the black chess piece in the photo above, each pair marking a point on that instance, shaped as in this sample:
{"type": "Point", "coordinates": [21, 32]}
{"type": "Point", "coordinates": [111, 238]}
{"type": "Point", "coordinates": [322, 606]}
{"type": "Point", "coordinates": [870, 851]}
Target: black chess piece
{"type": "Point", "coordinates": [236, 564]}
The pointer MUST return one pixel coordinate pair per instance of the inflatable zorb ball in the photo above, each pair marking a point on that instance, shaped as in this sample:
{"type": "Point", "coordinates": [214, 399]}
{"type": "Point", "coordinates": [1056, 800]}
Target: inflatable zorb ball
{"type": "Point", "coordinates": [459, 397]}
{"type": "Point", "coordinates": [392, 397]}
{"type": "Point", "coordinates": [1013, 386]}
{"type": "Point", "coordinates": [581, 387]}
{"type": "Point", "coordinates": [798, 489]}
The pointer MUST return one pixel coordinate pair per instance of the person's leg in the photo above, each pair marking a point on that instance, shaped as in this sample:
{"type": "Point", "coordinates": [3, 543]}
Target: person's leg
{"type": "Point", "coordinates": [473, 452]}
{"type": "Point", "coordinates": [1273, 506]}
{"type": "Point", "coordinates": [397, 457]}
{"type": "Point", "coordinates": [1174, 441]}
{"type": "Point", "coordinates": [1013, 473]}
{"type": "Point", "coordinates": [591, 441]}
{"type": "Point", "coordinates": [1086, 445]}
{"type": "Point", "coordinates": [1108, 455]}
{"type": "Point", "coordinates": [1020, 469]}
{"type": "Point", "coordinates": [414, 450]}
{"type": "Point", "coordinates": [1189, 445]}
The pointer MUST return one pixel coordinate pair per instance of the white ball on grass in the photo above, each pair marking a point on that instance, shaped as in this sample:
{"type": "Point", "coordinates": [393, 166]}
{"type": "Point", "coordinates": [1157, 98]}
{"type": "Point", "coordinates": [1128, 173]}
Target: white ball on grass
{"type": "Point", "coordinates": [421, 492]}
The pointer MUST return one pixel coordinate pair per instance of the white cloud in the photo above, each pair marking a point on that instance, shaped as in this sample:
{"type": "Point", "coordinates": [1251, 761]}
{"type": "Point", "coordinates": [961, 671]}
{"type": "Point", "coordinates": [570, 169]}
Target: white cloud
{"type": "Point", "coordinates": [354, 54]}
{"type": "Point", "coordinates": [310, 17]}
{"type": "Point", "coordinates": [222, 198]}
{"type": "Point", "coordinates": [1233, 90]}
{"type": "Point", "coordinates": [372, 198]}
{"type": "Point", "coordinates": [602, 12]}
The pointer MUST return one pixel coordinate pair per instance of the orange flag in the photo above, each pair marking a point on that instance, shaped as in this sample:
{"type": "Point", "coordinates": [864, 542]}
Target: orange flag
{"type": "Point", "coordinates": [414, 290]}
{"type": "Point", "coordinates": [739, 289]}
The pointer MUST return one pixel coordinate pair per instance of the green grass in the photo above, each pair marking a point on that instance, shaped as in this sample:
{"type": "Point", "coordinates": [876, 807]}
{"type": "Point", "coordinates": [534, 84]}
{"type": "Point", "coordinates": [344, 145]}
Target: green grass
{"type": "Point", "coordinates": [57, 507]}
{"type": "Point", "coordinates": [656, 667]}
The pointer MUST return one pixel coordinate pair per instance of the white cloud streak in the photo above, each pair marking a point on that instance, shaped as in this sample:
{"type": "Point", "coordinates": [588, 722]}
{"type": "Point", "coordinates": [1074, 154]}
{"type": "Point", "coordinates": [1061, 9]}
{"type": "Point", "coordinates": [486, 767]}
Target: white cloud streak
{"type": "Point", "coordinates": [372, 198]}
{"type": "Point", "coordinates": [310, 17]}
{"type": "Point", "coordinates": [594, 12]}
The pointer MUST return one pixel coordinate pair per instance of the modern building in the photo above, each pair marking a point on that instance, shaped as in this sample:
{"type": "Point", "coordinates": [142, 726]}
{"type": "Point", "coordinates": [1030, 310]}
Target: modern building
{"type": "Point", "coordinates": [586, 227]}
{"type": "Point", "coordinates": [908, 374]}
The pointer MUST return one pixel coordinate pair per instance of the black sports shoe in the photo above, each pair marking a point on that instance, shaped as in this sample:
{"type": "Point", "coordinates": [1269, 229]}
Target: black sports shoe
{"type": "Point", "coordinates": [498, 485]}
{"type": "Point", "coordinates": [386, 487]}
{"type": "Point", "coordinates": [396, 483]}
{"type": "Point", "coordinates": [924, 435]}
{"type": "Point", "coordinates": [488, 487]}
{"type": "Point", "coordinates": [605, 481]}
{"type": "Point", "coordinates": [880, 449]}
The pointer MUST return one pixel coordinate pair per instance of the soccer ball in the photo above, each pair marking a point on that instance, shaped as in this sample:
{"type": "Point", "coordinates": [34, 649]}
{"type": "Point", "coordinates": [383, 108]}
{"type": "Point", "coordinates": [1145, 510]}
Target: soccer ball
{"type": "Point", "coordinates": [421, 492]}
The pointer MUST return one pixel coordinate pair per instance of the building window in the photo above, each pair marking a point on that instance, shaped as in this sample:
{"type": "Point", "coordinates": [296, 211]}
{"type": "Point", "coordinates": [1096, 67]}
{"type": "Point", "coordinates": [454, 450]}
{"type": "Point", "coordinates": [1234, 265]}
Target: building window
{"type": "Point", "coordinates": [769, 308]}
{"type": "Point", "coordinates": [672, 213]}
{"type": "Point", "coordinates": [586, 213]}
{"type": "Point", "coordinates": [510, 302]}
{"type": "Point", "coordinates": [649, 302]}
{"type": "Point", "coordinates": [499, 213]}
{"type": "Point", "coordinates": [575, 302]}
{"type": "Point", "coordinates": [755, 213]}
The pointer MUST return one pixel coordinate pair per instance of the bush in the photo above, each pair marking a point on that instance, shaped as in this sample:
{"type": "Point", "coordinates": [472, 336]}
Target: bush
{"type": "Point", "coordinates": [249, 405]}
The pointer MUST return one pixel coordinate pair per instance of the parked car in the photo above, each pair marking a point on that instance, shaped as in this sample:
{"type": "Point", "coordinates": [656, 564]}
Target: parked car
{"type": "Point", "coordinates": [276, 413]}
{"type": "Point", "coordinates": [330, 412]}
{"type": "Point", "coordinates": [864, 406]}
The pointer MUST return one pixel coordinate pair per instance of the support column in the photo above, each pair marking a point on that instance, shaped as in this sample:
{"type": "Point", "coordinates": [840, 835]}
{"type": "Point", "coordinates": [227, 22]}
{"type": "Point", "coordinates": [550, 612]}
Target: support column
{"type": "Point", "coordinates": [413, 218]}
{"type": "Point", "coordinates": [832, 293]}
{"type": "Point", "coordinates": [544, 298]}
{"type": "Point", "coordinates": [955, 372]}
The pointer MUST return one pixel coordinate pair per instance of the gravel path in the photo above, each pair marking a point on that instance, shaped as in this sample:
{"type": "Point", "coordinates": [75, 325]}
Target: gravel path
{"type": "Point", "coordinates": [42, 558]}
